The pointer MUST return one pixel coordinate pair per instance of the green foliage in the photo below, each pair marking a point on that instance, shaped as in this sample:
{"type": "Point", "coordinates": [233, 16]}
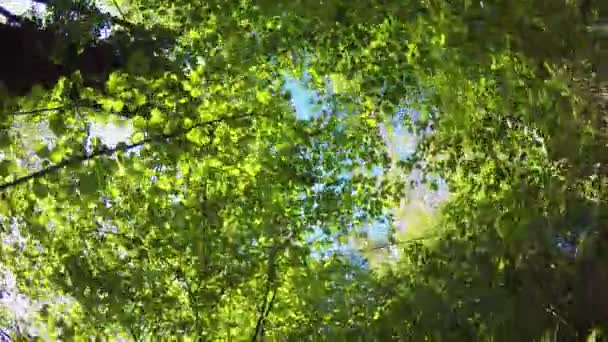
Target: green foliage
{"type": "Point", "coordinates": [200, 224]}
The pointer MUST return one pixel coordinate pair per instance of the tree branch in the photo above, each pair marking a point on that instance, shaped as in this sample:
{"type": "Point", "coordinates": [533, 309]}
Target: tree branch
{"type": "Point", "coordinates": [40, 110]}
{"type": "Point", "coordinates": [401, 243]}
{"type": "Point", "coordinates": [10, 17]}
{"type": "Point", "coordinates": [5, 336]}
{"type": "Point", "coordinates": [107, 152]}
{"type": "Point", "coordinates": [263, 312]}
{"type": "Point", "coordinates": [270, 305]}
{"type": "Point", "coordinates": [118, 9]}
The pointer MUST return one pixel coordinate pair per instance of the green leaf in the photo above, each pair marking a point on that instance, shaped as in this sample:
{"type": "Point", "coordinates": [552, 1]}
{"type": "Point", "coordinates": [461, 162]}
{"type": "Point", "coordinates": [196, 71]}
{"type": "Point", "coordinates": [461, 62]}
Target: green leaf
{"type": "Point", "coordinates": [88, 183]}
{"type": "Point", "coordinates": [40, 190]}
{"type": "Point", "coordinates": [117, 105]}
{"type": "Point", "coordinates": [5, 139]}
{"type": "Point", "coordinates": [43, 151]}
{"type": "Point", "coordinates": [156, 117]}
{"type": "Point", "coordinates": [4, 208]}
{"type": "Point", "coordinates": [57, 124]}
{"type": "Point", "coordinates": [57, 154]}
{"type": "Point", "coordinates": [7, 167]}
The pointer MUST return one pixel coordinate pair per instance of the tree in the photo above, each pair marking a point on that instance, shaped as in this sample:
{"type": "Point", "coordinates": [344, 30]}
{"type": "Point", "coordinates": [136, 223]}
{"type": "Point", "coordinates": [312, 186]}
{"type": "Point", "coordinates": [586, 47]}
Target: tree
{"type": "Point", "coordinates": [204, 209]}
{"type": "Point", "coordinates": [202, 223]}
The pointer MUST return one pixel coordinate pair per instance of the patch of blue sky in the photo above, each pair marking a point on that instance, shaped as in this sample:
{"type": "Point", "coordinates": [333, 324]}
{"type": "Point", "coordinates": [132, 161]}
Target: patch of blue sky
{"type": "Point", "coordinates": [303, 99]}
{"type": "Point", "coordinates": [378, 231]}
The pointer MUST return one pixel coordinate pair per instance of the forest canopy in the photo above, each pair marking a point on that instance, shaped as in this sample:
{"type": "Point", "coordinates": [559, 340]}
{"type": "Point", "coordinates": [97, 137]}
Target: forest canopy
{"type": "Point", "coordinates": [225, 215]}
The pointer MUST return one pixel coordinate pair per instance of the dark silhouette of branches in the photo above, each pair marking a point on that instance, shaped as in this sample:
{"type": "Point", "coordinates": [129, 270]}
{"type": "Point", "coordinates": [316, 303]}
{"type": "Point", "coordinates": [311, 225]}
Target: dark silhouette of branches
{"type": "Point", "coordinates": [259, 328]}
{"type": "Point", "coordinates": [4, 336]}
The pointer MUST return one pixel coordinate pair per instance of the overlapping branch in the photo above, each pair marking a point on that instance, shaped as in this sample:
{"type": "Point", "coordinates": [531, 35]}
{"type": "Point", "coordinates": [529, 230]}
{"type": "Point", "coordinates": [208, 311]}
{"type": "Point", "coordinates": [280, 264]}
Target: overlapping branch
{"type": "Point", "coordinates": [76, 159]}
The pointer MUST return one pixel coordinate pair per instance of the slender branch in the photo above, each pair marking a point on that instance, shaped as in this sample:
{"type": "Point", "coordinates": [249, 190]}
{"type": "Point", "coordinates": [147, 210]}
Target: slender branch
{"type": "Point", "coordinates": [106, 152]}
{"type": "Point", "coordinates": [193, 303]}
{"type": "Point", "coordinates": [401, 243]}
{"type": "Point", "coordinates": [69, 161]}
{"type": "Point", "coordinates": [270, 306]}
{"type": "Point", "coordinates": [389, 245]}
{"type": "Point", "coordinates": [118, 9]}
{"type": "Point", "coordinates": [550, 309]}
{"type": "Point", "coordinates": [5, 335]}
{"type": "Point", "coordinates": [220, 295]}
{"type": "Point", "coordinates": [40, 110]}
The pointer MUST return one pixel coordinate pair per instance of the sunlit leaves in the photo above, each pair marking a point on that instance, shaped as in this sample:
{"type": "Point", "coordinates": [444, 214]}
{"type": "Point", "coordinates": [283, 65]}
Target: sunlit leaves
{"type": "Point", "coordinates": [57, 154]}
{"type": "Point", "coordinates": [112, 105]}
{"type": "Point", "coordinates": [174, 236]}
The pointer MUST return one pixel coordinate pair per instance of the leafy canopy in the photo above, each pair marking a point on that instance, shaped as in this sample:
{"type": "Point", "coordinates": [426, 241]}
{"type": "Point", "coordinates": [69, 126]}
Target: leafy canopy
{"type": "Point", "coordinates": [206, 221]}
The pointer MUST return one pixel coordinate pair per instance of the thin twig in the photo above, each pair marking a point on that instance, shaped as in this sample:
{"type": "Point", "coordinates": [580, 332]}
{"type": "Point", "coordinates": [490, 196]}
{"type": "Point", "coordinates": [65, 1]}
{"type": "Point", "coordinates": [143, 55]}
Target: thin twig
{"type": "Point", "coordinates": [114, 19]}
{"type": "Point", "coordinates": [550, 309]}
{"type": "Point", "coordinates": [388, 245]}
{"type": "Point", "coordinates": [120, 12]}
{"type": "Point", "coordinates": [401, 243]}
{"type": "Point", "coordinates": [71, 160]}
{"type": "Point", "coordinates": [40, 110]}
